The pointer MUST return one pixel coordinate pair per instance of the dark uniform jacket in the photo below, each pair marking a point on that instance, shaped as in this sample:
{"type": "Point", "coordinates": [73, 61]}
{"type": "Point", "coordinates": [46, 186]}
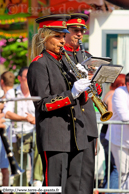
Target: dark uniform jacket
{"type": "Point", "coordinates": [88, 109]}
{"type": "Point", "coordinates": [59, 118]}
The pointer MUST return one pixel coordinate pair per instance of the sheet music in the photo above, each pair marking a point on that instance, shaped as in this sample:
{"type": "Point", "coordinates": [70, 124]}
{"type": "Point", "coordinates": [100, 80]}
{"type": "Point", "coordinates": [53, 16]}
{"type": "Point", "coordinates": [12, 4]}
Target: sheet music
{"type": "Point", "coordinates": [96, 61]}
{"type": "Point", "coordinates": [107, 73]}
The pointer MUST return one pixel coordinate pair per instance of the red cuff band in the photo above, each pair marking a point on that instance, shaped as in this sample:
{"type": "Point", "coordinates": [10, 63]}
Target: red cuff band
{"type": "Point", "coordinates": [58, 104]}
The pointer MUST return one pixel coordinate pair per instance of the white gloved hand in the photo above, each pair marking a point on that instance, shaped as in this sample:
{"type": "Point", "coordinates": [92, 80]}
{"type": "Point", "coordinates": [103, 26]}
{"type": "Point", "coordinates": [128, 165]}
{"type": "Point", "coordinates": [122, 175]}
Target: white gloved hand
{"type": "Point", "coordinates": [81, 68]}
{"type": "Point", "coordinates": [80, 86]}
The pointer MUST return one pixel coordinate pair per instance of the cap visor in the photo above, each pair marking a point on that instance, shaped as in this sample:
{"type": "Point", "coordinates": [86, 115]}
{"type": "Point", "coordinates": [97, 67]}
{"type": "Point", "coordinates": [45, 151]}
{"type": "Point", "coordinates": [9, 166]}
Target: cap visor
{"type": "Point", "coordinates": [65, 31]}
{"type": "Point", "coordinates": [78, 26]}
{"type": "Point", "coordinates": [60, 30]}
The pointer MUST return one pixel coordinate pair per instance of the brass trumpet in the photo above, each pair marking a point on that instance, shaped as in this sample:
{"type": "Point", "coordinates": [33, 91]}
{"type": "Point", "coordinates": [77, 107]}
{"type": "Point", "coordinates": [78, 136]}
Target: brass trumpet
{"type": "Point", "coordinates": [105, 115]}
{"type": "Point", "coordinates": [102, 107]}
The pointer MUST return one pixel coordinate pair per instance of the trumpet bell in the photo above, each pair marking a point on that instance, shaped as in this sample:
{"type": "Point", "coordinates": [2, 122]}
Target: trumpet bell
{"type": "Point", "coordinates": [106, 116]}
{"type": "Point", "coordinates": [101, 106]}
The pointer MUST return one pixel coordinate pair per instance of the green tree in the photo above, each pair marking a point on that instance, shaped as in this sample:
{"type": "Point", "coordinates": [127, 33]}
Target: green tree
{"type": "Point", "coordinates": [15, 54]}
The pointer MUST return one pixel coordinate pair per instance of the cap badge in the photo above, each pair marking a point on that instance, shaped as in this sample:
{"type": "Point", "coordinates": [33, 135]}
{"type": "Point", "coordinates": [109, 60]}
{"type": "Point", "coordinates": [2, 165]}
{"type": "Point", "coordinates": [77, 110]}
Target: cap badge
{"type": "Point", "coordinates": [79, 20]}
{"type": "Point", "coordinates": [64, 23]}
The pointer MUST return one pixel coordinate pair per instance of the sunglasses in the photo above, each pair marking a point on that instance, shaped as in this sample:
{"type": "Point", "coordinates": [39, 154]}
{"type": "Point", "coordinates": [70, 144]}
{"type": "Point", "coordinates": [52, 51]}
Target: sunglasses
{"type": "Point", "coordinates": [76, 30]}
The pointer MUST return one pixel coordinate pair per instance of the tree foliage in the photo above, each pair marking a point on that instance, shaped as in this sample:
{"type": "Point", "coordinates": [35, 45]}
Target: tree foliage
{"type": "Point", "coordinates": [15, 54]}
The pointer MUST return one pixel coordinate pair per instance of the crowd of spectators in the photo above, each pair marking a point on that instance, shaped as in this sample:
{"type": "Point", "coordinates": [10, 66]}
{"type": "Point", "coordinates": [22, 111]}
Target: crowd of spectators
{"type": "Point", "coordinates": [23, 115]}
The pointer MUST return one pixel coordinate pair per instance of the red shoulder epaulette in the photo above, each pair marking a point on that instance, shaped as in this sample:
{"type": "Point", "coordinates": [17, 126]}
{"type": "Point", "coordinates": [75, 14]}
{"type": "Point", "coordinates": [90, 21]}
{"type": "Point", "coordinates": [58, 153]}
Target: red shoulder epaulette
{"type": "Point", "coordinates": [37, 57]}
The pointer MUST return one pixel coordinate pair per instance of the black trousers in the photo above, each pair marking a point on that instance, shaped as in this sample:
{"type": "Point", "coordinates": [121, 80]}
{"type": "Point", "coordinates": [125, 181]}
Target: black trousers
{"type": "Point", "coordinates": [88, 167]}
{"type": "Point", "coordinates": [63, 169]}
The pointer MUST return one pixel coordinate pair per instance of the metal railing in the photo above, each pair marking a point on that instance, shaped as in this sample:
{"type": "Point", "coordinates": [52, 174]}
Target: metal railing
{"type": "Point", "coordinates": [108, 190]}
{"type": "Point", "coordinates": [97, 174]}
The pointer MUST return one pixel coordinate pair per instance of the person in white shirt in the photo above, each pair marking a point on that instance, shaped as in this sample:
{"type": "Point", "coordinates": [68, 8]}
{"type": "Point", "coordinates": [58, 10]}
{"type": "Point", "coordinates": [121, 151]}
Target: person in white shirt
{"type": "Point", "coordinates": [120, 106]}
{"type": "Point", "coordinates": [25, 111]}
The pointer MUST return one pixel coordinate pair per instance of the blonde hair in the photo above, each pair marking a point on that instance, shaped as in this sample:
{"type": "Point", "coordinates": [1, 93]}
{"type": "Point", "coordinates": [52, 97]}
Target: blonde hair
{"type": "Point", "coordinates": [39, 39]}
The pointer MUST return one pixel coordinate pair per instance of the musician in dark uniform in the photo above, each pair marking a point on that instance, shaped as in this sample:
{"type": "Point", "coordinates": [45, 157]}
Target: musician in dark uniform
{"type": "Point", "coordinates": [76, 26]}
{"type": "Point", "coordinates": [60, 127]}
